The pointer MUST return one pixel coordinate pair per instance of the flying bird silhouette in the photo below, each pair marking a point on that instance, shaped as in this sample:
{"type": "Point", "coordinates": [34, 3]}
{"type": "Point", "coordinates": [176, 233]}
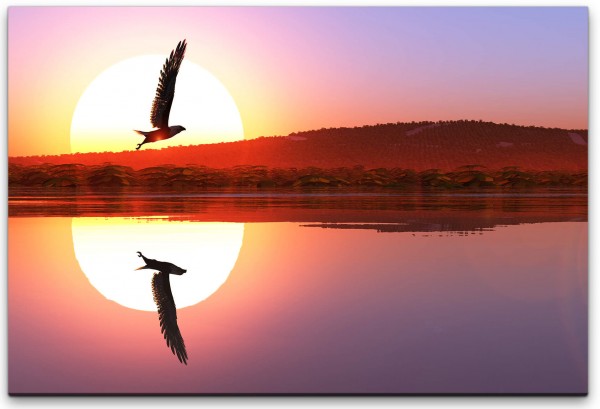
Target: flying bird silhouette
{"type": "Point", "coordinates": [167, 312]}
{"type": "Point", "coordinates": [165, 92]}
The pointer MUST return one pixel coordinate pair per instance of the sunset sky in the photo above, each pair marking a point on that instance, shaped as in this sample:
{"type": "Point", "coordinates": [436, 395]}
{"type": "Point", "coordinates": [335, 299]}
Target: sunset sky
{"type": "Point", "coordinates": [293, 69]}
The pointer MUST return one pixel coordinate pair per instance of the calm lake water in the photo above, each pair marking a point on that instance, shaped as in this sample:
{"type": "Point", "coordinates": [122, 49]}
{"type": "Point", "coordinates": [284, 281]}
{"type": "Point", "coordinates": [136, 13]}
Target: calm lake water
{"type": "Point", "coordinates": [301, 293]}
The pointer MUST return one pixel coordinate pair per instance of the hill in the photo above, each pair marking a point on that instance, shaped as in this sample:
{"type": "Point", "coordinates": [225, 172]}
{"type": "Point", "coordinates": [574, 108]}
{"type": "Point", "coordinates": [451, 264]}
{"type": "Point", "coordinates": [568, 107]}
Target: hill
{"type": "Point", "coordinates": [417, 145]}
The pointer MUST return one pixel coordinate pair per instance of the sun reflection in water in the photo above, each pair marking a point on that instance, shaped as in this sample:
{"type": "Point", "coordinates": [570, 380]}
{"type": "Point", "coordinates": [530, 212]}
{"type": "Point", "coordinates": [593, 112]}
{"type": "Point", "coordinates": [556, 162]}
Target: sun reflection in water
{"type": "Point", "coordinates": [106, 251]}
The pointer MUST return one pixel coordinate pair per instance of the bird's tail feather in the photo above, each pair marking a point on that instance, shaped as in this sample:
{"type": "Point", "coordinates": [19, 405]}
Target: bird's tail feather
{"type": "Point", "coordinates": [142, 256]}
{"type": "Point", "coordinates": [141, 132]}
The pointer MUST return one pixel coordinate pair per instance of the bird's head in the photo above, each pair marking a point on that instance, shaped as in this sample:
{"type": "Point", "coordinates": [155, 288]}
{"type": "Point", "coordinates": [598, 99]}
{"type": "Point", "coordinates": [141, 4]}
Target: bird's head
{"type": "Point", "coordinates": [176, 129]}
{"type": "Point", "coordinates": [177, 270]}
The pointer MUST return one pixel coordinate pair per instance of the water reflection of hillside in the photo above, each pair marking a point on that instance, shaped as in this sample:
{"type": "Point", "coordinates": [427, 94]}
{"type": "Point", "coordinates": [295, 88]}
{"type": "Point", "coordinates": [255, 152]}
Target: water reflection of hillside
{"type": "Point", "coordinates": [386, 213]}
{"type": "Point", "coordinates": [448, 225]}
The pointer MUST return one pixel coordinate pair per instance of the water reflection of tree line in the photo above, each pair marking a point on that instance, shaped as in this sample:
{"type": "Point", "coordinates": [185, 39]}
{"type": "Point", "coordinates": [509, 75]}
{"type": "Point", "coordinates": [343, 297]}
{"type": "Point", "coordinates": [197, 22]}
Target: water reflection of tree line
{"type": "Point", "coordinates": [392, 212]}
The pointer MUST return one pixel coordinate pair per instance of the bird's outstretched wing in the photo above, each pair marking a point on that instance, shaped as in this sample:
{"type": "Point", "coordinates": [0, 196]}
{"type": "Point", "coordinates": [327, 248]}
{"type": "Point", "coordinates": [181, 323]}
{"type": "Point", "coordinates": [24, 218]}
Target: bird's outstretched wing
{"type": "Point", "coordinates": [161, 107]}
{"type": "Point", "coordinates": [167, 315]}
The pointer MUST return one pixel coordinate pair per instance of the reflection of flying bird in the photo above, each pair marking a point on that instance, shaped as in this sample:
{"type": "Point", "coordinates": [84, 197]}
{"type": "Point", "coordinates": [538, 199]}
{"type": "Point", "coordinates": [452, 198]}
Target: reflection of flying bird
{"type": "Point", "coordinates": [161, 107]}
{"type": "Point", "coordinates": [167, 313]}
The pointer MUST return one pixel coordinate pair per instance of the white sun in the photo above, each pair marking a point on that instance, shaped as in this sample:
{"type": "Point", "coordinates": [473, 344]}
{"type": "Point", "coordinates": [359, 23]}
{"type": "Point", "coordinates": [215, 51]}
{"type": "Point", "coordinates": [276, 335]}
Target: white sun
{"type": "Point", "coordinates": [120, 98]}
{"type": "Point", "coordinates": [106, 249]}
